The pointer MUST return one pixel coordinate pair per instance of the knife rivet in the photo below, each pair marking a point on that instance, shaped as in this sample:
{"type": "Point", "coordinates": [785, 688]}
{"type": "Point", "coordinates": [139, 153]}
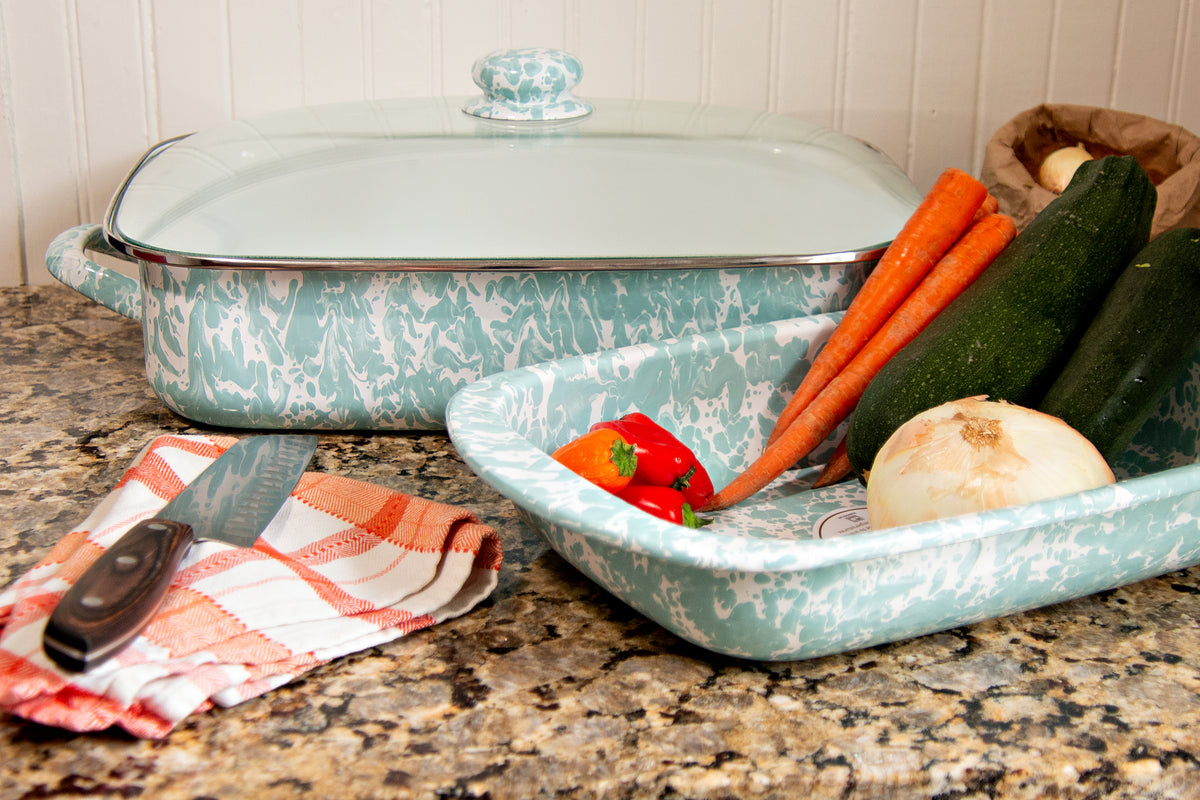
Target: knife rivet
{"type": "Point", "coordinates": [127, 561]}
{"type": "Point", "coordinates": [91, 601]}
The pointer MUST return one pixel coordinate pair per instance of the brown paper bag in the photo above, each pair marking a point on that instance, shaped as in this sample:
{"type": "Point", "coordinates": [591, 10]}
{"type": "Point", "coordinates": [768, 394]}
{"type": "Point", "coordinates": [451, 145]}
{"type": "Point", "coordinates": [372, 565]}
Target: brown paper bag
{"type": "Point", "coordinates": [1169, 154]}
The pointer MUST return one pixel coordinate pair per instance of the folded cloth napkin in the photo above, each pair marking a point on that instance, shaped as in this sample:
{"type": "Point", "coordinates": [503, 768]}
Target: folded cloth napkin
{"type": "Point", "coordinates": [343, 566]}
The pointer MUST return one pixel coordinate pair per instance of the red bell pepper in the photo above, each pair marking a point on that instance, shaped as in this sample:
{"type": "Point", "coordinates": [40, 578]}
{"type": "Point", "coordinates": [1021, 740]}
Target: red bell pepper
{"type": "Point", "coordinates": [662, 460]}
{"type": "Point", "coordinates": [663, 502]}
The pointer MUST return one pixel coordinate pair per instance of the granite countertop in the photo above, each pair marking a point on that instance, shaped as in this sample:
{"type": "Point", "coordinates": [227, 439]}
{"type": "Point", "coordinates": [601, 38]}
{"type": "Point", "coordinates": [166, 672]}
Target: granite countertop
{"type": "Point", "coordinates": [553, 688]}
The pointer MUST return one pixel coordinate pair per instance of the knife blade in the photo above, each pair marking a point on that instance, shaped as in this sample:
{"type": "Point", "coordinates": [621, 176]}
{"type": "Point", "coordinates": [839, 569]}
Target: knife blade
{"type": "Point", "coordinates": [231, 501]}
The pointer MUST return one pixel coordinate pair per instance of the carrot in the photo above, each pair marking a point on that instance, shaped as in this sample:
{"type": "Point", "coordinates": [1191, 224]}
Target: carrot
{"type": "Point", "coordinates": [990, 205]}
{"type": "Point", "coordinates": [836, 469]}
{"type": "Point", "coordinates": [939, 219]}
{"type": "Point", "coordinates": [964, 262]}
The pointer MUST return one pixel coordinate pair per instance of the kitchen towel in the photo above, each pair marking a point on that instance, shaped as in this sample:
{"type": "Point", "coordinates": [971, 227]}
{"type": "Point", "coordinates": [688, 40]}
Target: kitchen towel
{"type": "Point", "coordinates": [343, 566]}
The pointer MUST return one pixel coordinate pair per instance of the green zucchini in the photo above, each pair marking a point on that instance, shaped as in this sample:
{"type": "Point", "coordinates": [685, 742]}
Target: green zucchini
{"type": "Point", "coordinates": [1142, 338]}
{"type": "Point", "coordinates": [1008, 335]}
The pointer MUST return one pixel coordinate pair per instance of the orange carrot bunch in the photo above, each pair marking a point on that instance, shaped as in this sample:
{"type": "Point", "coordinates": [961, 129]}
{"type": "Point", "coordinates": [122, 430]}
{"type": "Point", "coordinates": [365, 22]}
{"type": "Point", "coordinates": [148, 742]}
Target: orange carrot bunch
{"type": "Point", "coordinates": [954, 234]}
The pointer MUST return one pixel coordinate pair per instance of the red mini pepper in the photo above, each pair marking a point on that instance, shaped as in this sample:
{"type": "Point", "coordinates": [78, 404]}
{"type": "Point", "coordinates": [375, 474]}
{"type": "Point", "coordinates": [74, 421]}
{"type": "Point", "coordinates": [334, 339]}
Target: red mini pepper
{"type": "Point", "coordinates": [663, 502]}
{"type": "Point", "coordinates": [662, 460]}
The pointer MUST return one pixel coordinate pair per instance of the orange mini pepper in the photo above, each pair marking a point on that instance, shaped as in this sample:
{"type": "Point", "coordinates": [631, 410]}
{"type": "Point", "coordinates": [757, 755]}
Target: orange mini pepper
{"type": "Point", "coordinates": [604, 457]}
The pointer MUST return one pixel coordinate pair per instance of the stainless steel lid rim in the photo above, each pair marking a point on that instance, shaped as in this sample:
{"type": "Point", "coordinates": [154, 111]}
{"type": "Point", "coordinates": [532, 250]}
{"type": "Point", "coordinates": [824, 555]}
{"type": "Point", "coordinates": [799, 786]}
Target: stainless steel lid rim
{"type": "Point", "coordinates": [197, 261]}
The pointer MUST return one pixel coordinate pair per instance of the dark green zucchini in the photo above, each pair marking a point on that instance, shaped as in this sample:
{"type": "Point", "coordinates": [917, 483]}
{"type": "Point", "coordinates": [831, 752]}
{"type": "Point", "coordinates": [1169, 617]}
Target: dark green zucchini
{"type": "Point", "coordinates": [1010, 333]}
{"type": "Point", "coordinates": [1143, 337]}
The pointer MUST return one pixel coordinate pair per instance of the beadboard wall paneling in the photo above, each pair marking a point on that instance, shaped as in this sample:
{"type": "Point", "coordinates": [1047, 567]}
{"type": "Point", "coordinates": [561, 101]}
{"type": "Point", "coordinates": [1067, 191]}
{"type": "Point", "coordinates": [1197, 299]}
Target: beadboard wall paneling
{"type": "Point", "coordinates": [400, 48]}
{"type": "Point", "coordinates": [946, 71]}
{"type": "Point", "coordinates": [87, 85]}
{"type": "Point", "coordinates": [43, 111]}
{"type": "Point", "coordinates": [1014, 60]}
{"type": "Point", "coordinates": [1187, 95]}
{"type": "Point", "coordinates": [1083, 50]}
{"type": "Point", "coordinates": [1146, 56]}
{"type": "Point", "coordinates": [188, 46]}
{"type": "Point", "coordinates": [11, 254]}
{"type": "Point", "coordinates": [675, 44]}
{"type": "Point", "coordinates": [266, 64]}
{"type": "Point", "coordinates": [466, 29]}
{"type": "Point", "coordinates": [113, 115]}
{"type": "Point", "coordinates": [535, 22]}
{"type": "Point", "coordinates": [608, 37]}
{"type": "Point", "coordinates": [739, 54]}
{"type": "Point", "coordinates": [876, 98]}
{"type": "Point", "coordinates": [333, 51]}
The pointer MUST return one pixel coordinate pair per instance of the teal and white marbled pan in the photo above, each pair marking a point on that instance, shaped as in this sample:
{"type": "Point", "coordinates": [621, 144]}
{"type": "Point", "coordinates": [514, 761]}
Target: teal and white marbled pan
{"type": "Point", "coordinates": [351, 266]}
{"type": "Point", "coordinates": [783, 576]}
{"type": "Point", "coordinates": [384, 350]}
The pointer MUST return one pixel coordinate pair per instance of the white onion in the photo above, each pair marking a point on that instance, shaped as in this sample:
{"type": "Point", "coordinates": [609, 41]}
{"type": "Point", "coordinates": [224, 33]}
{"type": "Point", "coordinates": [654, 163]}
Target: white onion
{"type": "Point", "coordinates": [1059, 167]}
{"type": "Point", "coordinates": [975, 454]}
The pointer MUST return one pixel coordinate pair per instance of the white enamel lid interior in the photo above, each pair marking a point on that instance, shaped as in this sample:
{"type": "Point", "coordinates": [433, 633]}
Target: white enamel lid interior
{"type": "Point", "coordinates": [437, 183]}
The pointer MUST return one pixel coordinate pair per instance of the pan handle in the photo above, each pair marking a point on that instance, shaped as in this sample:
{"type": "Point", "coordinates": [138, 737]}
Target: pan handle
{"type": "Point", "coordinates": [67, 260]}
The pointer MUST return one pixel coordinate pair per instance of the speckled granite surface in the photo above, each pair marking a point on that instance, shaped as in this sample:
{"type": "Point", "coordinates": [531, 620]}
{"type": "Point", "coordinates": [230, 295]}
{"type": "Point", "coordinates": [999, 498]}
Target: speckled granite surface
{"type": "Point", "coordinates": [552, 688]}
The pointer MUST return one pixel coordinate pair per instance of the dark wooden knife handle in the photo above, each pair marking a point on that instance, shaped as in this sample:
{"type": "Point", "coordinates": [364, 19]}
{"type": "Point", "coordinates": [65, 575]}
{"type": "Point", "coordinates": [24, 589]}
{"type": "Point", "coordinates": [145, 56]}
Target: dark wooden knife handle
{"type": "Point", "coordinates": [115, 599]}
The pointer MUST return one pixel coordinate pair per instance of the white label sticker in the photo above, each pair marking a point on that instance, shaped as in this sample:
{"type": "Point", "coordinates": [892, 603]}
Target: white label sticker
{"type": "Point", "coordinates": [842, 522]}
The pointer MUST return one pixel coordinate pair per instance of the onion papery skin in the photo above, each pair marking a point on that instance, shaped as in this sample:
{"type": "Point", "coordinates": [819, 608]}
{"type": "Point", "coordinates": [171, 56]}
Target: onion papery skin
{"type": "Point", "coordinates": [1059, 167]}
{"type": "Point", "coordinates": [976, 454]}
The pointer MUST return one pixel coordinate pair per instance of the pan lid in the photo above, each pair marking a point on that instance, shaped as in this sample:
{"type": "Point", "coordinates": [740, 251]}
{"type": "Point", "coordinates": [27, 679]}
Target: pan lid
{"type": "Point", "coordinates": [525, 176]}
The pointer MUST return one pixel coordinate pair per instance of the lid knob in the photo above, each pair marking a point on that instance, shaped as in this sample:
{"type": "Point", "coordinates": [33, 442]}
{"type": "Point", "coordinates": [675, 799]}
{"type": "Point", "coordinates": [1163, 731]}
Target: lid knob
{"type": "Point", "coordinates": [532, 83]}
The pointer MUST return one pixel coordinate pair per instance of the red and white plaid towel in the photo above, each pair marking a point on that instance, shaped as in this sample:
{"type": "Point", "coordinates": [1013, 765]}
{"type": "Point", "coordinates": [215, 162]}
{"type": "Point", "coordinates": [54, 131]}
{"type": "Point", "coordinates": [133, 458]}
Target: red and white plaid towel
{"type": "Point", "coordinates": [345, 565]}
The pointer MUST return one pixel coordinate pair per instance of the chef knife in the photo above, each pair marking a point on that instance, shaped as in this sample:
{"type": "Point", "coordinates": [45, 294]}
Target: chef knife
{"type": "Point", "coordinates": [230, 501]}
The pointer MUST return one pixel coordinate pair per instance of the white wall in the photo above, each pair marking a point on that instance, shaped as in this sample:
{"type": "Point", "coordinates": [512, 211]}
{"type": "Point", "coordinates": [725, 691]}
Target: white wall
{"type": "Point", "coordinates": [87, 85]}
